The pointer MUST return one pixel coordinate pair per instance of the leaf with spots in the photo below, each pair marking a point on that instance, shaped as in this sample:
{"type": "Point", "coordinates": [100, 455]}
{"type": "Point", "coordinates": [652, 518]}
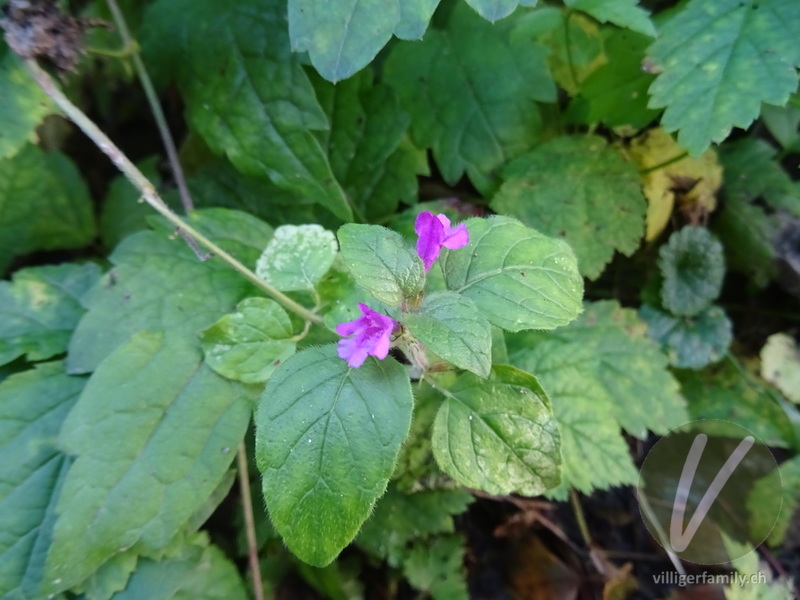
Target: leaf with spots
{"type": "Point", "coordinates": [297, 257]}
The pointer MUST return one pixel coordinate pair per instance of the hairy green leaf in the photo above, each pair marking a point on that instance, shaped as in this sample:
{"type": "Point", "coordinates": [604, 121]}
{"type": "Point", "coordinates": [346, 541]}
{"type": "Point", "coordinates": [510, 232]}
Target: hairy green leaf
{"type": "Point", "coordinates": [44, 204]}
{"type": "Point", "coordinates": [297, 257]}
{"type": "Point", "coordinates": [452, 327]}
{"type": "Point", "coordinates": [623, 13]}
{"type": "Point", "coordinates": [719, 61]}
{"type": "Point", "coordinates": [498, 434]}
{"type": "Point", "coordinates": [600, 203]}
{"type": "Point", "coordinates": [518, 278]}
{"type": "Point", "coordinates": [327, 439]}
{"type": "Point", "coordinates": [33, 405]}
{"type": "Point", "coordinates": [471, 92]}
{"type": "Point", "coordinates": [146, 461]}
{"type": "Point", "coordinates": [692, 264]}
{"type": "Point", "coordinates": [40, 308]}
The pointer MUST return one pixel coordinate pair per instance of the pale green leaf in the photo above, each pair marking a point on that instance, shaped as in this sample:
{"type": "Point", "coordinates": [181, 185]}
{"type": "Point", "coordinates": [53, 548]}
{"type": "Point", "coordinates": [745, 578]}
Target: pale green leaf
{"type": "Point", "coordinates": [719, 61]}
{"type": "Point", "coordinates": [780, 364]}
{"type": "Point", "coordinates": [297, 257]}
{"type": "Point", "coordinates": [690, 342]}
{"type": "Point", "coordinates": [111, 577]}
{"type": "Point", "coordinates": [40, 308]}
{"type": "Point", "coordinates": [437, 567]}
{"type": "Point", "coordinates": [492, 10]}
{"type": "Point", "coordinates": [414, 18]}
{"type": "Point", "coordinates": [598, 194]}
{"type": "Point", "coordinates": [498, 434]}
{"type": "Point", "coordinates": [470, 91]}
{"type": "Point", "coordinates": [787, 479]}
{"type": "Point", "coordinates": [44, 204]}
{"type": "Point", "coordinates": [327, 439]}
{"type": "Point", "coordinates": [692, 264]}
{"type": "Point", "coordinates": [452, 327]}
{"type": "Point", "coordinates": [33, 405]}
{"type": "Point", "coordinates": [623, 13]}
{"type": "Point", "coordinates": [517, 277]}
{"type": "Point", "coordinates": [246, 93]}
{"type": "Point", "coordinates": [249, 344]}
{"type": "Point", "coordinates": [381, 262]}
{"type": "Point", "coordinates": [146, 461]}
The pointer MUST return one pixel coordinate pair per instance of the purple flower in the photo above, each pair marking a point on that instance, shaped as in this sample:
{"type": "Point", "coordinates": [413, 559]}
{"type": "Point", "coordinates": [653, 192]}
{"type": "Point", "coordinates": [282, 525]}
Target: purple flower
{"type": "Point", "coordinates": [372, 332]}
{"type": "Point", "coordinates": [434, 233]}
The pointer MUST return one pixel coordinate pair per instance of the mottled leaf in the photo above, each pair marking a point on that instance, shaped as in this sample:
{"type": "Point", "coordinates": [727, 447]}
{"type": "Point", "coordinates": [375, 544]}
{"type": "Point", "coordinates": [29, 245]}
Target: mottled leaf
{"type": "Point", "coordinates": [297, 257]}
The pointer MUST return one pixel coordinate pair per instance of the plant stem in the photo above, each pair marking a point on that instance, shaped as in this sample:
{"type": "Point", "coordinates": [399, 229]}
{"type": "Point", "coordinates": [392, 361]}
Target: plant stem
{"type": "Point", "coordinates": [579, 517]}
{"type": "Point", "coordinates": [155, 105]}
{"type": "Point", "coordinates": [149, 192]}
{"type": "Point", "coordinates": [666, 163]}
{"type": "Point", "coordinates": [249, 522]}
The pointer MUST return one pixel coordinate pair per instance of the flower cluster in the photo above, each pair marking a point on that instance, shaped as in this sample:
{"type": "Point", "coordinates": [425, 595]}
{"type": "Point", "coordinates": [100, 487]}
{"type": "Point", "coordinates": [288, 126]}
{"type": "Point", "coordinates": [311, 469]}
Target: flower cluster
{"type": "Point", "coordinates": [370, 334]}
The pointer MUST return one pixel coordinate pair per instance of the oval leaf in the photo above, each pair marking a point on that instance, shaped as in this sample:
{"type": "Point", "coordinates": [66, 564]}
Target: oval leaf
{"type": "Point", "coordinates": [327, 439]}
{"type": "Point", "coordinates": [297, 257]}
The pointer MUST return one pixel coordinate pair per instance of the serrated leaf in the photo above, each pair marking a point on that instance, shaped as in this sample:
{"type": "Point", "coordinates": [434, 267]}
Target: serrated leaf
{"type": "Point", "coordinates": [159, 283]}
{"type": "Point", "coordinates": [452, 327]}
{"type": "Point", "coordinates": [297, 257]}
{"type": "Point", "coordinates": [780, 364]}
{"type": "Point", "coordinates": [437, 567]}
{"type": "Point", "coordinates": [327, 439]}
{"type": "Point", "coordinates": [381, 262]}
{"type": "Point", "coordinates": [498, 434]}
{"type": "Point", "coordinates": [470, 92]}
{"type": "Point", "coordinates": [139, 480]}
{"type": "Point", "coordinates": [23, 105]}
{"type": "Point", "coordinates": [246, 93]}
{"type": "Point", "coordinates": [40, 308]}
{"type": "Point", "coordinates": [690, 342]}
{"type": "Point", "coordinates": [692, 264]}
{"type": "Point", "coordinates": [623, 13]}
{"type": "Point", "coordinates": [517, 277]}
{"type": "Point", "coordinates": [719, 61]}
{"type": "Point", "coordinates": [600, 207]}
{"type": "Point", "coordinates": [44, 204]}
{"type": "Point", "coordinates": [249, 344]}
{"type": "Point", "coordinates": [33, 405]}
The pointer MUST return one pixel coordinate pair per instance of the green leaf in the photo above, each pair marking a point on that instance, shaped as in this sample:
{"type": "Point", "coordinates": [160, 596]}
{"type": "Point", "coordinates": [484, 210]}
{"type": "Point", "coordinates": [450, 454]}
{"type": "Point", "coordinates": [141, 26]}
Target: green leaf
{"type": "Point", "coordinates": [788, 481]}
{"type": "Point", "coordinates": [692, 263]}
{"type": "Point", "coordinates": [248, 345]}
{"type": "Point", "coordinates": [44, 205]}
{"type": "Point", "coordinates": [327, 439]}
{"type": "Point", "coordinates": [23, 105]}
{"type": "Point", "coordinates": [616, 93]}
{"type": "Point", "coordinates": [437, 566]}
{"type": "Point", "coordinates": [159, 283]}
{"type": "Point", "coordinates": [498, 434]}
{"type": "Point", "coordinates": [414, 18]}
{"type": "Point", "coordinates": [690, 342]}
{"type": "Point", "coordinates": [381, 262]}
{"type": "Point", "coordinates": [780, 364]}
{"type": "Point", "coordinates": [173, 432]}
{"type": "Point", "coordinates": [297, 257]}
{"type": "Point", "coordinates": [40, 308]}
{"type": "Point", "coordinates": [600, 206]}
{"type": "Point", "coordinates": [33, 405]}
{"type": "Point", "coordinates": [719, 61]}
{"type": "Point", "coordinates": [623, 13]}
{"type": "Point", "coordinates": [470, 91]}
{"type": "Point", "coordinates": [246, 93]}
{"type": "Point", "coordinates": [111, 577]}
{"type": "Point", "coordinates": [517, 277]}
{"type": "Point", "coordinates": [492, 10]}
{"type": "Point", "coordinates": [452, 327]}
{"type": "Point", "coordinates": [783, 122]}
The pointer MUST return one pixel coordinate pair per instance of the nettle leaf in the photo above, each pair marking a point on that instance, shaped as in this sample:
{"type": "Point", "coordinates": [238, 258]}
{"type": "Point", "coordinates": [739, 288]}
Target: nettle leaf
{"type": "Point", "coordinates": [471, 92]}
{"type": "Point", "coordinates": [327, 439]}
{"type": "Point", "coordinates": [517, 277]}
{"type": "Point", "coordinates": [249, 344]}
{"type": "Point", "coordinates": [246, 93]}
{"type": "Point", "coordinates": [623, 13]}
{"type": "Point", "coordinates": [719, 61]}
{"type": "Point", "coordinates": [692, 263]}
{"type": "Point", "coordinates": [780, 364]}
{"type": "Point", "coordinates": [33, 404]}
{"type": "Point", "coordinates": [44, 204]}
{"type": "Point", "coordinates": [158, 283]}
{"type": "Point", "coordinates": [297, 257]}
{"type": "Point", "coordinates": [690, 342]}
{"type": "Point", "coordinates": [600, 206]}
{"type": "Point", "coordinates": [23, 104]}
{"type": "Point", "coordinates": [40, 308]}
{"type": "Point", "coordinates": [381, 262]}
{"type": "Point", "coordinates": [140, 480]}
{"type": "Point", "coordinates": [498, 434]}
{"type": "Point", "coordinates": [452, 327]}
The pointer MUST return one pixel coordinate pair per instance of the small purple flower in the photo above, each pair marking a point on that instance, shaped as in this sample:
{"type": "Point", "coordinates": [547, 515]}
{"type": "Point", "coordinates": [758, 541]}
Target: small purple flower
{"type": "Point", "coordinates": [434, 233]}
{"type": "Point", "coordinates": [372, 332]}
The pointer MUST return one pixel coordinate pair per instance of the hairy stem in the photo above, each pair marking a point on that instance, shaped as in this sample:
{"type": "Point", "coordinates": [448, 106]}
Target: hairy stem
{"type": "Point", "coordinates": [148, 190]}
{"type": "Point", "coordinates": [249, 522]}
